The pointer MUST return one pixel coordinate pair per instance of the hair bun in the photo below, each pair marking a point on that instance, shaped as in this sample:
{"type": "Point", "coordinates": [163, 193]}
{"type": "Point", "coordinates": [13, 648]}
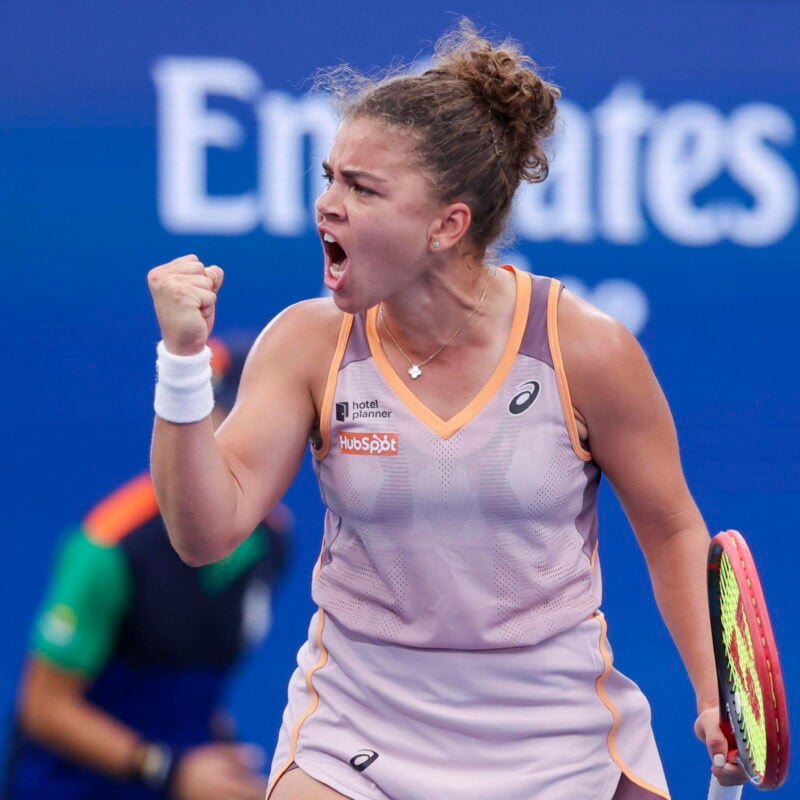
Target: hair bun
{"type": "Point", "coordinates": [520, 101]}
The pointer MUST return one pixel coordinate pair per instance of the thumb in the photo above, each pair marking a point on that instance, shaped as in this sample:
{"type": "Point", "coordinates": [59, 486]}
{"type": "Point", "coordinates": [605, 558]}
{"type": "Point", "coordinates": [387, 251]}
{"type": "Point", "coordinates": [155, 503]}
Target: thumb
{"type": "Point", "coordinates": [708, 730]}
{"type": "Point", "coordinates": [718, 747]}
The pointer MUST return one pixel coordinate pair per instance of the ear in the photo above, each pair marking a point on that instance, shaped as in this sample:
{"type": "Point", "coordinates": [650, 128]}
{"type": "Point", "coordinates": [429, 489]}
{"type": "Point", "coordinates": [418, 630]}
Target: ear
{"type": "Point", "coordinates": [449, 227]}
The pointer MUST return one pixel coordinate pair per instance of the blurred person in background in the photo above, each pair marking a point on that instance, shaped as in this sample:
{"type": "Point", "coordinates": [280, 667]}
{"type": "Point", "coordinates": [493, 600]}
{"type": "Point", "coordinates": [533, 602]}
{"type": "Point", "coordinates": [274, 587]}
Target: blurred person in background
{"type": "Point", "coordinates": [132, 650]}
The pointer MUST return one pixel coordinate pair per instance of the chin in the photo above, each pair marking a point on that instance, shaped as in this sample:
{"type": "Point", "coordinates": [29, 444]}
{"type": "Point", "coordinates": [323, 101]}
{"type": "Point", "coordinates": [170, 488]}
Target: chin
{"type": "Point", "coordinates": [346, 304]}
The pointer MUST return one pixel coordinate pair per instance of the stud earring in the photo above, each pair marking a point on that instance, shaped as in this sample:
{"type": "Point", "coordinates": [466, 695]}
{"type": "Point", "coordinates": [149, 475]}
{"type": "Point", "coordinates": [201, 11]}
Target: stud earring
{"type": "Point", "coordinates": [436, 245]}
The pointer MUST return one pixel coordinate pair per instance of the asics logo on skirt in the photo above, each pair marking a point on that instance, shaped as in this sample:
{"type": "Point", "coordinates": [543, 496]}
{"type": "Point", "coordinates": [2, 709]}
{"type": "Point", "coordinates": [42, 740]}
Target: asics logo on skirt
{"type": "Point", "coordinates": [362, 759]}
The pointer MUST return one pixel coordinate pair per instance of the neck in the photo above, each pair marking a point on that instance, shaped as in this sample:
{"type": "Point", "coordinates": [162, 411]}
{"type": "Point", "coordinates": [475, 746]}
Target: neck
{"type": "Point", "coordinates": [424, 316]}
{"type": "Point", "coordinates": [448, 328]}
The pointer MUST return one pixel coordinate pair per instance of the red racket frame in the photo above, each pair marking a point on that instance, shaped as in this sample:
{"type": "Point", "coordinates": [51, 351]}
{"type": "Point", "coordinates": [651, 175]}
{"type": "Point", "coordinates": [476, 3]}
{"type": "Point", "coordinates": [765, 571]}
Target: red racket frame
{"type": "Point", "coordinates": [753, 613]}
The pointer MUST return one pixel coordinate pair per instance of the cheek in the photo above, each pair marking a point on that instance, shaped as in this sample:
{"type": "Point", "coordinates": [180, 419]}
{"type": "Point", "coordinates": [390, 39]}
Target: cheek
{"type": "Point", "coordinates": [409, 228]}
{"type": "Point", "coordinates": [396, 243]}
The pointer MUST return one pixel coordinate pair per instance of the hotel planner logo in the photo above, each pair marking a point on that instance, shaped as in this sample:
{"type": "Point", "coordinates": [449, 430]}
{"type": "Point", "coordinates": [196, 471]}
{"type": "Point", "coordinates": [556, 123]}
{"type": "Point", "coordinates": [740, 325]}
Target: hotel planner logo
{"type": "Point", "coordinates": [360, 409]}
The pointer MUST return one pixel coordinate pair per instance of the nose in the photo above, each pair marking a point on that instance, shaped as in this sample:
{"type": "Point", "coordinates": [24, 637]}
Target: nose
{"type": "Point", "coordinates": [328, 205]}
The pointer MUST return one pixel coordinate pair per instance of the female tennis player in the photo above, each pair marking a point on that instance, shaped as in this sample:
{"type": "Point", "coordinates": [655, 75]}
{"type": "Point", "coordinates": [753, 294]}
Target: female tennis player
{"type": "Point", "coordinates": [460, 416]}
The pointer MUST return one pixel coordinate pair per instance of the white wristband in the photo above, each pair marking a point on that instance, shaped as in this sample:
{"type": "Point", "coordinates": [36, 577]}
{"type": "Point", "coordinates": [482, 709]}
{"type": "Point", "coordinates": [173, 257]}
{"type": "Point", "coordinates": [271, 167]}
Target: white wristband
{"type": "Point", "coordinates": [183, 386]}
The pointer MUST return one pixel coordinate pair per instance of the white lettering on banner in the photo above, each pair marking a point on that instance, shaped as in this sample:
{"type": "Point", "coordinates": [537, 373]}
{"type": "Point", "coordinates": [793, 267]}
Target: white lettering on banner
{"type": "Point", "coordinates": [186, 129]}
{"type": "Point", "coordinates": [285, 125]}
{"type": "Point", "coordinates": [622, 122]}
{"type": "Point", "coordinates": [763, 173]}
{"type": "Point", "coordinates": [561, 208]}
{"type": "Point", "coordinates": [686, 153]}
{"type": "Point", "coordinates": [694, 174]}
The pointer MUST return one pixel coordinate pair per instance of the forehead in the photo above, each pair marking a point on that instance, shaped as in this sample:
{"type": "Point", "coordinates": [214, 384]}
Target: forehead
{"type": "Point", "coordinates": [366, 144]}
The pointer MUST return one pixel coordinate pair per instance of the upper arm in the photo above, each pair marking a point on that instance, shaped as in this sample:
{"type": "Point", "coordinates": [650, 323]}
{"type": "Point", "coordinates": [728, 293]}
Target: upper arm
{"type": "Point", "coordinates": [631, 433]}
{"type": "Point", "coordinates": [78, 623]}
{"type": "Point", "coordinates": [264, 438]}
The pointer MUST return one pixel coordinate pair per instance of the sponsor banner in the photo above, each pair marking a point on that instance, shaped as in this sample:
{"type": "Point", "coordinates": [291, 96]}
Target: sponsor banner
{"type": "Point", "coordinates": [696, 173]}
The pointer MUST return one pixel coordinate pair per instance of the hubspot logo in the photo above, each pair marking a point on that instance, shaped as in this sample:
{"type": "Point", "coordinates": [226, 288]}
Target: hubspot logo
{"type": "Point", "coordinates": [369, 444]}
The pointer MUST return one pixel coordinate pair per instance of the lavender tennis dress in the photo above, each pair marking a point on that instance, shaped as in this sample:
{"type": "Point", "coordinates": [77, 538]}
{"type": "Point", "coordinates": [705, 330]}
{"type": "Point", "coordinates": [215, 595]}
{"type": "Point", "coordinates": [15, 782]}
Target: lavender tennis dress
{"type": "Point", "coordinates": [458, 652]}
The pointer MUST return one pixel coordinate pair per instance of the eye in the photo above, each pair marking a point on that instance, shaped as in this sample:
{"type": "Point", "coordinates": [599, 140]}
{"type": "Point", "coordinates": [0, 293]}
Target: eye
{"type": "Point", "coordinates": [328, 178]}
{"type": "Point", "coordinates": [362, 190]}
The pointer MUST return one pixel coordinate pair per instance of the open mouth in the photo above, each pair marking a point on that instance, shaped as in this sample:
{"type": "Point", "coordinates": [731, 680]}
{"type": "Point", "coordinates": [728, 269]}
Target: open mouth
{"type": "Point", "coordinates": [335, 255]}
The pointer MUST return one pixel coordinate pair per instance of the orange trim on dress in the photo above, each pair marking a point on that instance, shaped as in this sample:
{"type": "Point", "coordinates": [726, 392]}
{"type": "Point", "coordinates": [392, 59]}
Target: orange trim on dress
{"type": "Point", "coordinates": [122, 511]}
{"type": "Point", "coordinates": [609, 704]}
{"type": "Point", "coordinates": [561, 375]}
{"type": "Point", "coordinates": [330, 388]}
{"type": "Point", "coordinates": [446, 428]}
{"type": "Point", "coordinates": [312, 707]}
{"type": "Point", "coordinates": [593, 561]}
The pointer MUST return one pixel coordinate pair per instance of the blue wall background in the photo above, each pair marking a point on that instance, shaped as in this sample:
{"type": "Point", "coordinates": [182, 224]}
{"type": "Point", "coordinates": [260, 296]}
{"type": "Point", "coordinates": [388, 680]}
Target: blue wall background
{"type": "Point", "coordinates": [673, 203]}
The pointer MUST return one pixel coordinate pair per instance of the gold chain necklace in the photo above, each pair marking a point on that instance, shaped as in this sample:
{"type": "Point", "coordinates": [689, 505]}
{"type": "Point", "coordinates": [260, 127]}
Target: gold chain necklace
{"type": "Point", "coordinates": [415, 370]}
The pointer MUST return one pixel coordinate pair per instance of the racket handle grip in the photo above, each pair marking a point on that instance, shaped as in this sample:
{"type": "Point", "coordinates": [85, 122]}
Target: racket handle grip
{"type": "Point", "coordinates": [716, 791]}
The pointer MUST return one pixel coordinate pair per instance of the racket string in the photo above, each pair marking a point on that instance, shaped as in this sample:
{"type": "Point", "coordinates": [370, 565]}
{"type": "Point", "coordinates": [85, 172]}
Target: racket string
{"type": "Point", "coordinates": [742, 674]}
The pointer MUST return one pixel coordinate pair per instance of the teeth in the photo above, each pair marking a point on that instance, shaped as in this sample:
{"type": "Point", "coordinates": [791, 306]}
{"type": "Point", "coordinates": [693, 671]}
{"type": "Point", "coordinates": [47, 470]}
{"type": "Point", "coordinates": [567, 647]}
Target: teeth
{"type": "Point", "coordinates": [328, 238]}
{"type": "Point", "coordinates": [335, 271]}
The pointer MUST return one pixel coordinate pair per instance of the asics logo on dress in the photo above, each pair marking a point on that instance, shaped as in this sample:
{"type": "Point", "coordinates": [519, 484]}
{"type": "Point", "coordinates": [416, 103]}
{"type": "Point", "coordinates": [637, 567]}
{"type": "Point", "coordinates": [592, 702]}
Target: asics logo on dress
{"type": "Point", "coordinates": [362, 759]}
{"type": "Point", "coordinates": [361, 409]}
{"type": "Point", "coordinates": [523, 399]}
{"type": "Point", "coordinates": [369, 444]}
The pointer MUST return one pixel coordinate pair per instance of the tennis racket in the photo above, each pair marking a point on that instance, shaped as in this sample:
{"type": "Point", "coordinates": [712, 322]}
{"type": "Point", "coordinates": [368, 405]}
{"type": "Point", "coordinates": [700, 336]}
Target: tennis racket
{"type": "Point", "coordinates": [752, 699]}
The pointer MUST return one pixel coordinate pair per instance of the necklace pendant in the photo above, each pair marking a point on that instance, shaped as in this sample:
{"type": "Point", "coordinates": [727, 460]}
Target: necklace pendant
{"type": "Point", "coordinates": [414, 371]}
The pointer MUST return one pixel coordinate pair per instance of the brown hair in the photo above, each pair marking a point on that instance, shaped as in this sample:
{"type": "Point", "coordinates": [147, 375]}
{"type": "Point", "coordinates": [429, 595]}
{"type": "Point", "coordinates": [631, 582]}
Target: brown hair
{"type": "Point", "coordinates": [478, 119]}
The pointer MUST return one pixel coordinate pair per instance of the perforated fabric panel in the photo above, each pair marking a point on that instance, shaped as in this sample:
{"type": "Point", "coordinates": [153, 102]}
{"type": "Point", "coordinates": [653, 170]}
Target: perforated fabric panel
{"type": "Point", "coordinates": [482, 539]}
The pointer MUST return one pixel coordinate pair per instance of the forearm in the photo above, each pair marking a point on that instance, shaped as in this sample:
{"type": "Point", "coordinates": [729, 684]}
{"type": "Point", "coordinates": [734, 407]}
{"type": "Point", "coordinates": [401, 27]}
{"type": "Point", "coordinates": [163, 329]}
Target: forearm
{"type": "Point", "coordinates": [213, 488]}
{"type": "Point", "coordinates": [678, 574]}
{"type": "Point", "coordinates": [197, 492]}
{"type": "Point", "coordinates": [83, 733]}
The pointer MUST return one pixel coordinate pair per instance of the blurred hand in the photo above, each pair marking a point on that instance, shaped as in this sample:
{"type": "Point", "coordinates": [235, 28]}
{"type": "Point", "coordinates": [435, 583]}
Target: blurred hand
{"type": "Point", "coordinates": [727, 770]}
{"type": "Point", "coordinates": [221, 772]}
{"type": "Point", "coordinates": [185, 298]}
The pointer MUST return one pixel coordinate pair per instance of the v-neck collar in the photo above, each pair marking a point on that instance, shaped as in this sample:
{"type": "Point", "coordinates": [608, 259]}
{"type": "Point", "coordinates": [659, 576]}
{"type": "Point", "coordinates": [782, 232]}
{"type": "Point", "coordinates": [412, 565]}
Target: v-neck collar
{"type": "Point", "coordinates": [446, 428]}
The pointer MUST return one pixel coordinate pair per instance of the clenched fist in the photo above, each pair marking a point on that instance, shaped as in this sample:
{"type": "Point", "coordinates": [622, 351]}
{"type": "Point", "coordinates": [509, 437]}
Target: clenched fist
{"type": "Point", "coordinates": [185, 297]}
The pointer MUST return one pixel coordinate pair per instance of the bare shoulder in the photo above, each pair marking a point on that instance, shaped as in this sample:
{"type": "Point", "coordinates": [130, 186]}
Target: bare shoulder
{"type": "Point", "coordinates": [590, 338]}
{"type": "Point", "coordinates": [297, 345]}
{"type": "Point", "coordinates": [306, 328]}
{"type": "Point", "coordinates": [606, 367]}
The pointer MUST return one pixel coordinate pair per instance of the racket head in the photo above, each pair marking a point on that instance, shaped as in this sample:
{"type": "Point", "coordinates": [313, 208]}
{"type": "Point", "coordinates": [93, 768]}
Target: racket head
{"type": "Point", "coordinates": [752, 694]}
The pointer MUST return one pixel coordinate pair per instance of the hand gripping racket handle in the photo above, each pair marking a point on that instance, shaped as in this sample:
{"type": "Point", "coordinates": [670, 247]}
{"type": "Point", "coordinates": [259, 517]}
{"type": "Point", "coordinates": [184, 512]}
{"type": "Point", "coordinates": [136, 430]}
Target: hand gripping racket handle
{"type": "Point", "coordinates": [716, 791]}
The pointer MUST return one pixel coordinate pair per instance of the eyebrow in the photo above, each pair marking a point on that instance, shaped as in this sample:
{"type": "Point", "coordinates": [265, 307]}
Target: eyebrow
{"type": "Point", "coordinates": [352, 174]}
